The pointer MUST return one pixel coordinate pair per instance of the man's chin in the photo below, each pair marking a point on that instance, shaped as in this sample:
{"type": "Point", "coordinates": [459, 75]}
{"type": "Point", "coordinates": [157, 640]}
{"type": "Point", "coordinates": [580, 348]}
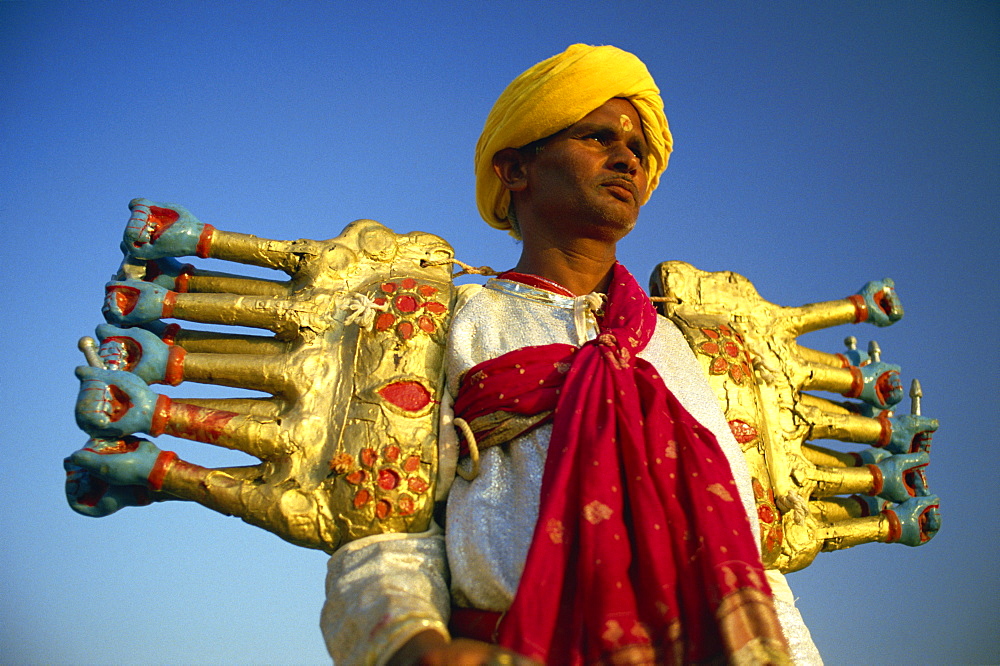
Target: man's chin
{"type": "Point", "coordinates": [615, 227]}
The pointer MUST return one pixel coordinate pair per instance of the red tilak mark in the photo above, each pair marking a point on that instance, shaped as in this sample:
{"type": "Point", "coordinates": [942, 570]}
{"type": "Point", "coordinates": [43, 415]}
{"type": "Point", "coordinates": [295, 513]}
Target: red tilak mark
{"type": "Point", "coordinates": [409, 395]}
{"type": "Point", "coordinates": [126, 298]}
{"type": "Point", "coordinates": [406, 303]}
{"type": "Point", "coordinates": [205, 241]}
{"type": "Point", "coordinates": [388, 479]}
{"type": "Point", "coordinates": [198, 423]}
{"type": "Point", "coordinates": [744, 433]}
{"type": "Point", "coordinates": [162, 219]}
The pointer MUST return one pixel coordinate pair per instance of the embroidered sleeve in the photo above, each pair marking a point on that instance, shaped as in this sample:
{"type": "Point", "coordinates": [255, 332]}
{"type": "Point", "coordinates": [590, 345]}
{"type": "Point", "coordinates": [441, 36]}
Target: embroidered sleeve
{"type": "Point", "coordinates": [381, 591]}
{"type": "Point", "coordinates": [800, 642]}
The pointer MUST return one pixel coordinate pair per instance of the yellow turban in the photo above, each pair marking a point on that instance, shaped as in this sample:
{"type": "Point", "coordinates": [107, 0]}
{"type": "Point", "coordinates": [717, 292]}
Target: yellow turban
{"type": "Point", "coordinates": [553, 95]}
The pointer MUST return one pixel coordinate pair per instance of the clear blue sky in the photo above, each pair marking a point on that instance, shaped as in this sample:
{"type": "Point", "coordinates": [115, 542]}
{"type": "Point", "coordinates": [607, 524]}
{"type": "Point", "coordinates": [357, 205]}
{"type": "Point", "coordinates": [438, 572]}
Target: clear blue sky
{"type": "Point", "coordinates": [818, 146]}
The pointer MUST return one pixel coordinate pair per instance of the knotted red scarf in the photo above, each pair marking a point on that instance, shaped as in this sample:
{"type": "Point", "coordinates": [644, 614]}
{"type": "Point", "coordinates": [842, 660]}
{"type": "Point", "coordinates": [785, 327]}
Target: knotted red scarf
{"type": "Point", "coordinates": [642, 551]}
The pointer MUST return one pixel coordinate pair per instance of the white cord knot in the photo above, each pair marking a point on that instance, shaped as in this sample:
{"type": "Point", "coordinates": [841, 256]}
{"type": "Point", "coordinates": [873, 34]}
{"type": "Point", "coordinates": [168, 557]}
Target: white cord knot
{"type": "Point", "coordinates": [364, 311]}
{"type": "Point", "coordinates": [794, 503]}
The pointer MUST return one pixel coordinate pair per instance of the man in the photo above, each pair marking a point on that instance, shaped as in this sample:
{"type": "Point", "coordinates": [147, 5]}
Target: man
{"type": "Point", "coordinates": [602, 509]}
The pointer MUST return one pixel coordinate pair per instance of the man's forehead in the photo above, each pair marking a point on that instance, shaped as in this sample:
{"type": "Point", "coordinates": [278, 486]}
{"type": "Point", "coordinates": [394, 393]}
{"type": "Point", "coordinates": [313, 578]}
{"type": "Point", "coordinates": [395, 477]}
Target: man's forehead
{"type": "Point", "coordinates": [617, 113]}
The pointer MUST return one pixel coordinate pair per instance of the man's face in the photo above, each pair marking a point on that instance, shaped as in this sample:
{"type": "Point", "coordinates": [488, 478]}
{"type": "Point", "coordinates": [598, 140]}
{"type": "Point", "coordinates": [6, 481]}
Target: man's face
{"type": "Point", "coordinates": [589, 179]}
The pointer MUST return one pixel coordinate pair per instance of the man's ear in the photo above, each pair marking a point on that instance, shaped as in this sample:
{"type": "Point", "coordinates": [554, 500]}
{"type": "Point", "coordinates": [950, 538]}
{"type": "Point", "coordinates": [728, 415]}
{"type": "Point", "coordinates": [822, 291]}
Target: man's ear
{"type": "Point", "coordinates": [509, 165]}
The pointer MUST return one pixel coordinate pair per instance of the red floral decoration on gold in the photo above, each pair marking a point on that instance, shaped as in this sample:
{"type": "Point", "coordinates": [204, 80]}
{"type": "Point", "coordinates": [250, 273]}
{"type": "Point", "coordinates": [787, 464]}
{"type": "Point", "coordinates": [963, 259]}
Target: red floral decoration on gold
{"type": "Point", "coordinates": [412, 309]}
{"type": "Point", "coordinates": [384, 479]}
{"type": "Point", "coordinates": [770, 519]}
{"type": "Point", "coordinates": [728, 353]}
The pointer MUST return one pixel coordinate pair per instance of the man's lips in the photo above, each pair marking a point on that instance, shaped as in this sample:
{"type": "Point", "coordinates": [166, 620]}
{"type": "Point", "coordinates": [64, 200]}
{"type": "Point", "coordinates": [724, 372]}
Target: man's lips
{"type": "Point", "coordinates": [622, 188]}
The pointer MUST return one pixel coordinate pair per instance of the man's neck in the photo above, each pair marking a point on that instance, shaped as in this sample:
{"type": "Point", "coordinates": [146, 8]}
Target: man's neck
{"type": "Point", "coordinates": [581, 268]}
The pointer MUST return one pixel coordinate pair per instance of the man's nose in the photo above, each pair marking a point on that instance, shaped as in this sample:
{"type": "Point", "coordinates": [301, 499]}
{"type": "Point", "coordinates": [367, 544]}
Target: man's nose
{"type": "Point", "coordinates": [624, 160]}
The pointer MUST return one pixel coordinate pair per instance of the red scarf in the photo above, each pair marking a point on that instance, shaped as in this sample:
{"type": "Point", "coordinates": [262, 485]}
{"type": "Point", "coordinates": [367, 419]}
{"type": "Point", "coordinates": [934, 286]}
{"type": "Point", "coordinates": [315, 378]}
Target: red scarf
{"type": "Point", "coordinates": [642, 550]}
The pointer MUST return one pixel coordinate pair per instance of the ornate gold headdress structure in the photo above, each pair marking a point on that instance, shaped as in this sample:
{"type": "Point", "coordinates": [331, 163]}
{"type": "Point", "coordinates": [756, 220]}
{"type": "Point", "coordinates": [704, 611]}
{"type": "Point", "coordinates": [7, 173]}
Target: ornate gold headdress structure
{"type": "Point", "coordinates": [352, 376]}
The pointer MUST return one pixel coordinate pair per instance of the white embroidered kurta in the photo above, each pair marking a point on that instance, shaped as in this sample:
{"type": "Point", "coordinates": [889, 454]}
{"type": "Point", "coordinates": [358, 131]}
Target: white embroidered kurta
{"type": "Point", "coordinates": [382, 590]}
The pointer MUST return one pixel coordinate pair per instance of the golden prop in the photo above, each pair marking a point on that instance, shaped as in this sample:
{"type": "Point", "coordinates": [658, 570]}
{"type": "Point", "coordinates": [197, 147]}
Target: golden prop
{"type": "Point", "coordinates": [347, 432]}
{"type": "Point", "coordinates": [758, 370]}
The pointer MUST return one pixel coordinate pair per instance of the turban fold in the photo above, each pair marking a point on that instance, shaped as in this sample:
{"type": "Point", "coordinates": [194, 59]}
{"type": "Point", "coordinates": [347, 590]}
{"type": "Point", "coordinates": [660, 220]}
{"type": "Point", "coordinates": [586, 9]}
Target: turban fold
{"type": "Point", "coordinates": [553, 95]}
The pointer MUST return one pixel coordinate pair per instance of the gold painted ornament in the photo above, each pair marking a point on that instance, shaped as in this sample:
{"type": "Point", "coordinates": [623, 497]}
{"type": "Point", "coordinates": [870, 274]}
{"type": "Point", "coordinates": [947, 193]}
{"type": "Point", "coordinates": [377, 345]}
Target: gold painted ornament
{"type": "Point", "coordinates": [352, 382]}
{"type": "Point", "coordinates": [347, 433]}
{"type": "Point", "coordinates": [809, 498]}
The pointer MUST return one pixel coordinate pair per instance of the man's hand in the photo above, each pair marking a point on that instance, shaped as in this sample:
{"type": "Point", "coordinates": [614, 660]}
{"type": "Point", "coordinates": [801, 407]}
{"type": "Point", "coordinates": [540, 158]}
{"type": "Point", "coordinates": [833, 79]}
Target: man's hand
{"type": "Point", "coordinates": [429, 648]}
